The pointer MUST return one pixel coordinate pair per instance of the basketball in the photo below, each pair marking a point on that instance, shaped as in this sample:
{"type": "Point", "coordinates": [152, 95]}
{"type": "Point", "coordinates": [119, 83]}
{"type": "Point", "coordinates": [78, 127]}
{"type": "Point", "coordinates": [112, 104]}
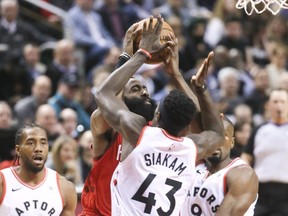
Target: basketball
{"type": "Point", "coordinates": [159, 56]}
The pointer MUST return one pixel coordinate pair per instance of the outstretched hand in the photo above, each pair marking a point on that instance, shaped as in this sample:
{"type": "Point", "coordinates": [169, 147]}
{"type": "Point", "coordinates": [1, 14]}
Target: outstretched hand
{"type": "Point", "coordinates": [198, 81]}
{"type": "Point", "coordinates": [151, 36]}
{"type": "Point", "coordinates": [129, 38]}
{"type": "Point", "coordinates": [172, 59]}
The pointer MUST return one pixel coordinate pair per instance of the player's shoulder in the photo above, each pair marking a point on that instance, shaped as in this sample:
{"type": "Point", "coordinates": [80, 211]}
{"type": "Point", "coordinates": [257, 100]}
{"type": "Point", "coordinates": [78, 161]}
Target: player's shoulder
{"type": "Point", "coordinates": [64, 184]}
{"type": "Point", "coordinates": [242, 173]}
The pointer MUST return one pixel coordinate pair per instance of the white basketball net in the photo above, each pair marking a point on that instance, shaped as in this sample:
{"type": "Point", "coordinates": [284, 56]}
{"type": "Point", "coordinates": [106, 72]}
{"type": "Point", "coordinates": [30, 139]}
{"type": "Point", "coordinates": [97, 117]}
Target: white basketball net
{"type": "Point", "coordinates": [274, 6]}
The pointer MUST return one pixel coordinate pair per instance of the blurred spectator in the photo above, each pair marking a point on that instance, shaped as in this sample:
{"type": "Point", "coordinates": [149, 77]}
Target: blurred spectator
{"type": "Point", "coordinates": [117, 18]}
{"type": "Point", "coordinates": [6, 116]}
{"type": "Point", "coordinates": [174, 8]}
{"type": "Point", "coordinates": [89, 32]}
{"type": "Point", "coordinates": [277, 66]}
{"type": "Point", "coordinates": [284, 81]}
{"type": "Point", "coordinates": [199, 49]}
{"type": "Point", "coordinates": [63, 62]}
{"type": "Point", "coordinates": [228, 97]}
{"type": "Point", "coordinates": [31, 67]}
{"type": "Point", "coordinates": [209, 4]}
{"type": "Point", "coordinates": [237, 61]}
{"type": "Point", "coordinates": [221, 59]}
{"type": "Point", "coordinates": [138, 9]}
{"type": "Point", "coordinates": [185, 52]}
{"type": "Point", "coordinates": [86, 98]}
{"type": "Point", "coordinates": [109, 62]}
{"type": "Point", "coordinates": [242, 131]}
{"type": "Point", "coordinates": [100, 74]}
{"type": "Point", "coordinates": [26, 107]}
{"type": "Point", "coordinates": [15, 33]}
{"type": "Point", "coordinates": [46, 21]}
{"type": "Point", "coordinates": [69, 121]}
{"type": "Point", "coordinates": [65, 97]}
{"type": "Point", "coordinates": [65, 158]}
{"type": "Point", "coordinates": [267, 152]}
{"type": "Point", "coordinates": [111, 57]}
{"type": "Point", "coordinates": [258, 97]}
{"type": "Point", "coordinates": [234, 37]}
{"type": "Point", "coordinates": [85, 153]}
{"type": "Point", "coordinates": [8, 129]}
{"type": "Point", "coordinates": [7, 149]}
{"type": "Point", "coordinates": [242, 112]}
{"type": "Point", "coordinates": [277, 30]}
{"type": "Point", "coordinates": [216, 26]}
{"type": "Point", "coordinates": [47, 118]}
{"type": "Point", "coordinates": [255, 31]}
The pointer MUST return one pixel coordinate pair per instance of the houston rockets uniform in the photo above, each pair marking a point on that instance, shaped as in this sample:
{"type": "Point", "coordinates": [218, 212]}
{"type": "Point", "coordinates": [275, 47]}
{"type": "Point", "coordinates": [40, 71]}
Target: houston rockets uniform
{"type": "Point", "coordinates": [155, 178]}
{"type": "Point", "coordinates": [208, 192]}
{"type": "Point", "coordinates": [96, 199]}
{"type": "Point", "coordinates": [22, 199]}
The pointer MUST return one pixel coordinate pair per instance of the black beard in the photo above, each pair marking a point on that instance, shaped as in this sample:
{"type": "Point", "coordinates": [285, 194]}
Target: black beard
{"type": "Point", "coordinates": [215, 159]}
{"type": "Point", "coordinates": [34, 169]}
{"type": "Point", "coordinates": [139, 106]}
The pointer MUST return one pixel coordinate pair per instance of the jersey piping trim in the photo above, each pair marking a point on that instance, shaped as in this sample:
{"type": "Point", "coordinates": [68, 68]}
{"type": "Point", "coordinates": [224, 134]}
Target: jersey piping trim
{"type": "Point", "coordinates": [27, 185]}
{"type": "Point", "coordinates": [179, 139]}
{"type": "Point", "coordinates": [141, 135]}
{"type": "Point", "coordinates": [4, 188]}
{"type": "Point", "coordinates": [58, 185]}
{"type": "Point", "coordinates": [227, 172]}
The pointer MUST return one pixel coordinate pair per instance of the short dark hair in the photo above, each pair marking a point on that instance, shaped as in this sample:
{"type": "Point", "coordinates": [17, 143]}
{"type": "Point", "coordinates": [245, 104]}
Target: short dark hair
{"type": "Point", "coordinates": [177, 111]}
{"type": "Point", "coordinates": [228, 124]}
{"type": "Point", "coordinates": [20, 132]}
{"type": "Point", "coordinates": [19, 137]}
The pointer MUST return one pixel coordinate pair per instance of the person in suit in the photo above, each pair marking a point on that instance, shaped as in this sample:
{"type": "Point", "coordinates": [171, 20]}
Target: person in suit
{"type": "Point", "coordinates": [89, 32]}
{"type": "Point", "coordinates": [63, 62]}
{"type": "Point", "coordinates": [26, 107]}
{"type": "Point", "coordinates": [14, 35]}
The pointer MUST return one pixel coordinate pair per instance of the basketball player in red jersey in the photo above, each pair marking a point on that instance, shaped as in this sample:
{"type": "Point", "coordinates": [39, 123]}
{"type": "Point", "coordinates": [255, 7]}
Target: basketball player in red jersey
{"type": "Point", "coordinates": [96, 198]}
{"type": "Point", "coordinates": [29, 188]}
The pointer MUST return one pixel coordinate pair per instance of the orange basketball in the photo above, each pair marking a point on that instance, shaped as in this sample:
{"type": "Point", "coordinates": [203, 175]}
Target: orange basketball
{"type": "Point", "coordinates": [160, 56]}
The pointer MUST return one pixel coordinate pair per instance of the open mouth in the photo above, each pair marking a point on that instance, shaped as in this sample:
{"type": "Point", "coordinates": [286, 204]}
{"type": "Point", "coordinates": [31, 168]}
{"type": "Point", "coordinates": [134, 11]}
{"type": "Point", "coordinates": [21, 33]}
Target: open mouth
{"type": "Point", "coordinates": [38, 159]}
{"type": "Point", "coordinates": [217, 152]}
{"type": "Point", "coordinates": [148, 101]}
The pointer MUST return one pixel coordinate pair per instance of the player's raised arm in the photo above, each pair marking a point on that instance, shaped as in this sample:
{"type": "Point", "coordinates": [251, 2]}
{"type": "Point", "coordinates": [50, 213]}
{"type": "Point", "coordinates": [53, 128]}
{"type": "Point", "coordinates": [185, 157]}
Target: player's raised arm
{"type": "Point", "coordinates": [114, 109]}
{"type": "Point", "coordinates": [213, 135]}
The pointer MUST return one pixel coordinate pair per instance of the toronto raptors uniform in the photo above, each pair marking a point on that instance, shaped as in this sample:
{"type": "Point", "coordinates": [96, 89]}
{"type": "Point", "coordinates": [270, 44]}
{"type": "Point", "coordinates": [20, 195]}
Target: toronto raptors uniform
{"type": "Point", "coordinates": [96, 199]}
{"type": "Point", "coordinates": [208, 192]}
{"type": "Point", "coordinates": [155, 178]}
{"type": "Point", "coordinates": [22, 199]}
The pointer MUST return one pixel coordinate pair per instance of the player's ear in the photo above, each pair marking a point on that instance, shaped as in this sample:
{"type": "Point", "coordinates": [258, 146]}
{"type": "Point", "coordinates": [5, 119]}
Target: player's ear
{"type": "Point", "coordinates": [157, 116]}
{"type": "Point", "coordinates": [17, 150]}
{"type": "Point", "coordinates": [232, 142]}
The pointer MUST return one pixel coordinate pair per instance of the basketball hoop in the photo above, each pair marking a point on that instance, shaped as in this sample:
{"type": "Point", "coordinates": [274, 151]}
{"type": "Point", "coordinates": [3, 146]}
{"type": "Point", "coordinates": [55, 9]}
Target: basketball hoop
{"type": "Point", "coordinates": [259, 6]}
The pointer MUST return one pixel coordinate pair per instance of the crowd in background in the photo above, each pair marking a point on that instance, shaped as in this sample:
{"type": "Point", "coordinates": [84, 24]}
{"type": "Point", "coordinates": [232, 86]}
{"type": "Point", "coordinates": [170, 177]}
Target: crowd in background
{"type": "Point", "coordinates": [47, 74]}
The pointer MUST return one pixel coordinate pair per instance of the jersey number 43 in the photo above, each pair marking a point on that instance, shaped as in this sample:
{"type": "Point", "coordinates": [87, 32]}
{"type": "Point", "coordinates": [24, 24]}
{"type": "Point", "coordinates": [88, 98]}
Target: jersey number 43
{"type": "Point", "coordinates": [150, 200]}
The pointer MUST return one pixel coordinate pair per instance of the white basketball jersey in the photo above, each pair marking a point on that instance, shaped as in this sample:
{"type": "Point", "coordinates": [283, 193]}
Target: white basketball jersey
{"type": "Point", "coordinates": [208, 192]}
{"type": "Point", "coordinates": [20, 199]}
{"type": "Point", "coordinates": [155, 178]}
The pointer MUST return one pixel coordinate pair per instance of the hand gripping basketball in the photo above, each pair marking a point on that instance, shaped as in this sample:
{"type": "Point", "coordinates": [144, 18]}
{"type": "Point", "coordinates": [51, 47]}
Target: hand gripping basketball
{"type": "Point", "coordinates": [146, 29]}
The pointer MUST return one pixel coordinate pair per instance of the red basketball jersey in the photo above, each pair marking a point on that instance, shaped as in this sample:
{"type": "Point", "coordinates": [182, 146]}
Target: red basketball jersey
{"type": "Point", "coordinates": [96, 198]}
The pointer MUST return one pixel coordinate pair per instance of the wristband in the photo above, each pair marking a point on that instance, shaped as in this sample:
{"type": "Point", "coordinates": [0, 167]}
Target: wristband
{"type": "Point", "coordinates": [202, 88]}
{"type": "Point", "coordinates": [123, 58]}
{"type": "Point", "coordinates": [145, 53]}
{"type": "Point", "coordinates": [125, 55]}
